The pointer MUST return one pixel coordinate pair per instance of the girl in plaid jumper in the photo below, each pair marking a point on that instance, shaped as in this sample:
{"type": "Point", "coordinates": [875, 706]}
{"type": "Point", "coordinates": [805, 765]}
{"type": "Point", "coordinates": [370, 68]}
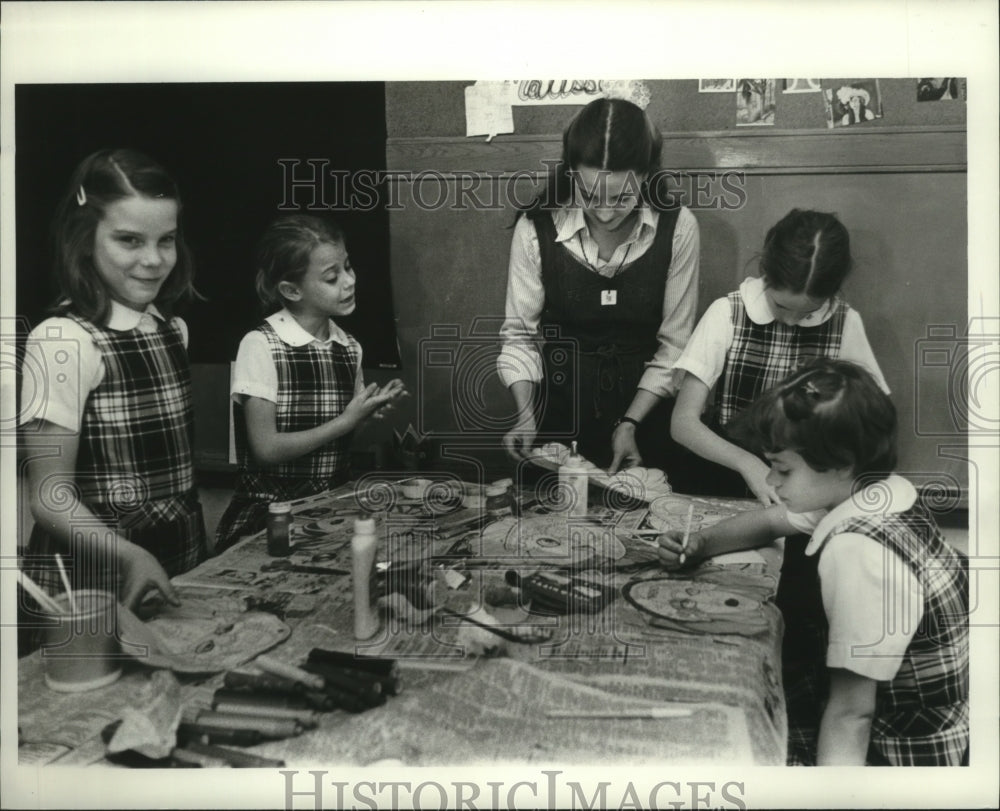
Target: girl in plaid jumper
{"type": "Point", "coordinates": [746, 342]}
{"type": "Point", "coordinates": [106, 415]}
{"type": "Point", "coordinates": [891, 684]}
{"type": "Point", "coordinates": [298, 391]}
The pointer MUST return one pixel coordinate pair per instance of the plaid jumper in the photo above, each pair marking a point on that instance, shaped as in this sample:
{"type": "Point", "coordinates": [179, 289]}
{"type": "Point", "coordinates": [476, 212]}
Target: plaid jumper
{"type": "Point", "coordinates": [134, 466]}
{"type": "Point", "coordinates": [762, 355]}
{"type": "Point", "coordinates": [315, 384]}
{"type": "Point", "coordinates": [921, 714]}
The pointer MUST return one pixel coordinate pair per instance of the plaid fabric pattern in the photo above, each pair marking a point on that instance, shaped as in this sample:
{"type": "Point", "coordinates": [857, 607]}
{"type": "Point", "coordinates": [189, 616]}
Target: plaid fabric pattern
{"type": "Point", "coordinates": [134, 468]}
{"type": "Point", "coordinates": [137, 429]}
{"type": "Point", "coordinates": [172, 530]}
{"type": "Point", "coordinates": [315, 384]}
{"type": "Point", "coordinates": [922, 715]}
{"type": "Point", "coordinates": [761, 355]}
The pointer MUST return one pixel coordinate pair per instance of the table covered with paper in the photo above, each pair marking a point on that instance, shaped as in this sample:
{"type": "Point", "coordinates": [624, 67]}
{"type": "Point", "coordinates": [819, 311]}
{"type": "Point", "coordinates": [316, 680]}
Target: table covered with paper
{"type": "Point", "coordinates": [520, 634]}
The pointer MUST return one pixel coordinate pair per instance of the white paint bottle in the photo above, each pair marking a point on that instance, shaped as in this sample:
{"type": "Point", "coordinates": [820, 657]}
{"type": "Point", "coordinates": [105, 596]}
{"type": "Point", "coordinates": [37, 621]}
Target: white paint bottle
{"type": "Point", "coordinates": [573, 483]}
{"type": "Point", "coordinates": [366, 621]}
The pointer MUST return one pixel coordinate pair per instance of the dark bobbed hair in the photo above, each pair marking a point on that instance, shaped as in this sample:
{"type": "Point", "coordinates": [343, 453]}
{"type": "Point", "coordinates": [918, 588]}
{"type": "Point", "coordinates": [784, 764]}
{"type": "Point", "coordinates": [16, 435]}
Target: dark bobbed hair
{"type": "Point", "coordinates": [611, 134]}
{"type": "Point", "coordinates": [832, 413]}
{"type": "Point", "coordinates": [101, 179]}
{"type": "Point", "coordinates": [283, 253]}
{"type": "Point", "coordinates": [807, 252]}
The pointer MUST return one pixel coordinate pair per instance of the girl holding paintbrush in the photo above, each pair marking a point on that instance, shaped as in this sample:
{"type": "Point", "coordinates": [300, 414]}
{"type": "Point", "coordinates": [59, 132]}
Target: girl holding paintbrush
{"type": "Point", "coordinates": [889, 684]}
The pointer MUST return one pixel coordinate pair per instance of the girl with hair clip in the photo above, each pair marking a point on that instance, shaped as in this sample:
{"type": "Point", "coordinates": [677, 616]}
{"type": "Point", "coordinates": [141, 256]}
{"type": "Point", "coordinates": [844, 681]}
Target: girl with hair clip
{"type": "Point", "coordinates": [746, 342]}
{"type": "Point", "coordinates": [298, 390]}
{"type": "Point", "coordinates": [107, 419]}
{"type": "Point", "coordinates": [601, 294]}
{"type": "Point", "coordinates": [890, 684]}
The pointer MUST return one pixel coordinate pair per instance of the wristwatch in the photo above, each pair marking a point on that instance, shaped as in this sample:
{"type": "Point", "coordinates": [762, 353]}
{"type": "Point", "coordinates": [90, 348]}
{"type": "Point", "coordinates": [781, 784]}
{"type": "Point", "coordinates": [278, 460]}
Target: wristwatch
{"type": "Point", "coordinates": [620, 420]}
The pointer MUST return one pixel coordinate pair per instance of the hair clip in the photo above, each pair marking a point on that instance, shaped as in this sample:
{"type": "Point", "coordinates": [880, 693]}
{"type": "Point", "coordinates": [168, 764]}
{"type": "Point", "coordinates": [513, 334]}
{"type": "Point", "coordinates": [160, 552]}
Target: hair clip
{"type": "Point", "coordinates": [810, 388]}
{"type": "Point", "coordinates": [81, 197]}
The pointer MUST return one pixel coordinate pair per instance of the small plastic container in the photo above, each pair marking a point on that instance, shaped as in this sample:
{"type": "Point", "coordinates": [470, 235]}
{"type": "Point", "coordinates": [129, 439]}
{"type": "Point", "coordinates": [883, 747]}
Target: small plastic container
{"type": "Point", "coordinates": [416, 488]}
{"type": "Point", "coordinates": [81, 651]}
{"type": "Point", "coordinates": [279, 529]}
{"type": "Point", "coordinates": [498, 501]}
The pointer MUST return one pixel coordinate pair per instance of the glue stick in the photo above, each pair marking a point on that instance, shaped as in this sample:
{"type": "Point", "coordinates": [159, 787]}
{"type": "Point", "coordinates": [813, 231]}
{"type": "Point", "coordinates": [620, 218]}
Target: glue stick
{"type": "Point", "coordinates": [366, 621]}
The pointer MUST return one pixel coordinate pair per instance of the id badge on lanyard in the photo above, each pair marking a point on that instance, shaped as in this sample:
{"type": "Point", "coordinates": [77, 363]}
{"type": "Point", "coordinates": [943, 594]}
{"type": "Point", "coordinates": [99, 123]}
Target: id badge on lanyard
{"type": "Point", "coordinates": [609, 298]}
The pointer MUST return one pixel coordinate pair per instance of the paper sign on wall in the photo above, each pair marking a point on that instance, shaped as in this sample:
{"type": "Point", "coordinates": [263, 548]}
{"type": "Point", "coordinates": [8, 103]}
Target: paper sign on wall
{"type": "Point", "coordinates": [488, 104]}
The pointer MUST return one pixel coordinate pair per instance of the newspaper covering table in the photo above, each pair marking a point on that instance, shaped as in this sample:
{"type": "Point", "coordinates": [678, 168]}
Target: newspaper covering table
{"type": "Point", "coordinates": [458, 707]}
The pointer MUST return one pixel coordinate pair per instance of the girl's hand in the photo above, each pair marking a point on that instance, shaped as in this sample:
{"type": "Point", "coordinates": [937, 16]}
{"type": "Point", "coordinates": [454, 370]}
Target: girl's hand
{"type": "Point", "coordinates": [755, 475]}
{"type": "Point", "coordinates": [394, 391]}
{"type": "Point", "coordinates": [671, 549]}
{"type": "Point", "coordinates": [519, 439]}
{"type": "Point", "coordinates": [626, 451]}
{"type": "Point", "coordinates": [142, 573]}
{"type": "Point", "coordinates": [365, 403]}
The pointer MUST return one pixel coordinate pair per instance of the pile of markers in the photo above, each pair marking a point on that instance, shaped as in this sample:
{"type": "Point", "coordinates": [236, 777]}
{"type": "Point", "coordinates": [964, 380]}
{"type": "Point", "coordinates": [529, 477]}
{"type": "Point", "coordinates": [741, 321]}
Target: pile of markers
{"type": "Point", "coordinates": [286, 700]}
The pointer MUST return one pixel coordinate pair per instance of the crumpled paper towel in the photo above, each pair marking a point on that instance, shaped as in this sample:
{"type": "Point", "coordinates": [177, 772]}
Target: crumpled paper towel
{"type": "Point", "coordinates": [152, 730]}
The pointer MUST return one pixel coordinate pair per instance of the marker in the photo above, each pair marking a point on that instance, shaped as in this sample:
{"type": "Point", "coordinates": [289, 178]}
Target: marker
{"type": "Point", "coordinates": [362, 681]}
{"type": "Point", "coordinates": [229, 701]}
{"type": "Point", "coordinates": [232, 757]}
{"type": "Point", "coordinates": [262, 682]}
{"type": "Point", "coordinates": [276, 668]}
{"type": "Point", "coordinates": [198, 759]}
{"type": "Point", "coordinates": [373, 664]}
{"type": "Point", "coordinates": [274, 728]}
{"type": "Point", "coordinates": [188, 732]}
{"type": "Point", "coordinates": [366, 686]}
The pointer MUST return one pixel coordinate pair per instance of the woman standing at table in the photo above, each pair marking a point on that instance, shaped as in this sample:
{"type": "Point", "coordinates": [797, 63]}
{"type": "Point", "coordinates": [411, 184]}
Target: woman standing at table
{"type": "Point", "coordinates": [601, 296]}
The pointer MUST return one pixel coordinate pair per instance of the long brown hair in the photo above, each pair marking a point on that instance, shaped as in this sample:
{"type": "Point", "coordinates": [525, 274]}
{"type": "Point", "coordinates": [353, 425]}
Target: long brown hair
{"type": "Point", "coordinates": [101, 179]}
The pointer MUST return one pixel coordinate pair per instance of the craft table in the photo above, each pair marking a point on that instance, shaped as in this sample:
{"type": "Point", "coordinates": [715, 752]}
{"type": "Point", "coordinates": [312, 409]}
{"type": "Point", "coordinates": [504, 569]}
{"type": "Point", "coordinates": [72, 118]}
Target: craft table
{"type": "Point", "coordinates": [458, 708]}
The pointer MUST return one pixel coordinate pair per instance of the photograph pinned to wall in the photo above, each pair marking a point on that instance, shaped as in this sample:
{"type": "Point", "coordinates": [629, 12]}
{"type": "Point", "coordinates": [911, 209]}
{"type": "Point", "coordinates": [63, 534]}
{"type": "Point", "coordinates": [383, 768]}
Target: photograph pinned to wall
{"type": "Point", "coordinates": [851, 101]}
{"type": "Point", "coordinates": [801, 86]}
{"type": "Point", "coordinates": [716, 85]}
{"type": "Point", "coordinates": [754, 102]}
{"type": "Point", "coordinates": [940, 89]}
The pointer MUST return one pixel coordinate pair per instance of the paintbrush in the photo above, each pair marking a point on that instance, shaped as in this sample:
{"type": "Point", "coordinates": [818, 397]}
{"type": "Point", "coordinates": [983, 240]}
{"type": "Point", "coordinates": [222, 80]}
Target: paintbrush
{"type": "Point", "coordinates": [38, 593]}
{"type": "Point", "coordinates": [639, 712]}
{"type": "Point", "coordinates": [687, 534]}
{"type": "Point", "coordinates": [65, 580]}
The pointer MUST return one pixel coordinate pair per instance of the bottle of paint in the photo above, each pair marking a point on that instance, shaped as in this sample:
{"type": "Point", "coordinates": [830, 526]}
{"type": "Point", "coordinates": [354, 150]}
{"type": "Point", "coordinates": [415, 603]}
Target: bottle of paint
{"type": "Point", "coordinates": [366, 621]}
{"type": "Point", "coordinates": [573, 482]}
{"type": "Point", "coordinates": [498, 500]}
{"type": "Point", "coordinates": [279, 529]}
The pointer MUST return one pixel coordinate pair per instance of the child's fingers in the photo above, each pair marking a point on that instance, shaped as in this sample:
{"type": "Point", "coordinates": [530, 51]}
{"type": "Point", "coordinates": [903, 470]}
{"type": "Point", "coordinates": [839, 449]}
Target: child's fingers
{"type": "Point", "coordinates": [669, 560]}
{"type": "Point", "coordinates": [767, 497]}
{"type": "Point", "coordinates": [516, 445]}
{"type": "Point", "coordinates": [671, 542]}
{"type": "Point", "coordinates": [168, 590]}
{"type": "Point", "coordinates": [616, 463]}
